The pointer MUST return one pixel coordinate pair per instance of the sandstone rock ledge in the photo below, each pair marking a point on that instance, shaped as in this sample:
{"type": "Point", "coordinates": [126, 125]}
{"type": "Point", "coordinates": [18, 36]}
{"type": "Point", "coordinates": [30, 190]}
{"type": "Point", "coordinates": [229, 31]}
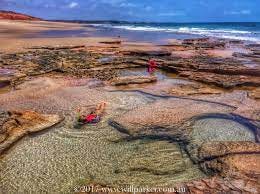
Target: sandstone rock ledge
{"type": "Point", "coordinates": [235, 165]}
{"type": "Point", "coordinates": [133, 80]}
{"type": "Point", "coordinates": [4, 82]}
{"type": "Point", "coordinates": [224, 147]}
{"type": "Point", "coordinates": [16, 124]}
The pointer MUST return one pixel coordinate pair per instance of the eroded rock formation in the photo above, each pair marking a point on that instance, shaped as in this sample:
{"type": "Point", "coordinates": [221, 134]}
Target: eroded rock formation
{"type": "Point", "coordinates": [236, 165]}
{"type": "Point", "coordinates": [133, 80]}
{"type": "Point", "coordinates": [224, 146]}
{"type": "Point", "coordinates": [16, 124]}
{"type": "Point", "coordinates": [221, 71]}
{"type": "Point", "coordinates": [15, 16]}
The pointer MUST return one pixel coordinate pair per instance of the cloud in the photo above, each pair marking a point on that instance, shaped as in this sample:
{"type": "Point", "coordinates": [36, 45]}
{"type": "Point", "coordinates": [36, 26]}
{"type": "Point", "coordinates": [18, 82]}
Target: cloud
{"type": "Point", "coordinates": [50, 5]}
{"type": "Point", "coordinates": [115, 3]}
{"type": "Point", "coordinates": [73, 5]}
{"type": "Point", "coordinates": [246, 12]}
{"type": "Point", "coordinates": [148, 8]}
{"type": "Point", "coordinates": [242, 12]}
{"type": "Point", "coordinates": [7, 2]}
{"type": "Point", "coordinates": [129, 5]}
{"type": "Point", "coordinates": [177, 13]}
{"type": "Point", "coordinates": [203, 3]}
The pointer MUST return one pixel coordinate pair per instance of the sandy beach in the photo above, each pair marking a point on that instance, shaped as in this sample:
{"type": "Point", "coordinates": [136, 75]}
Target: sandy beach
{"type": "Point", "coordinates": [193, 124]}
{"type": "Point", "coordinates": [13, 35]}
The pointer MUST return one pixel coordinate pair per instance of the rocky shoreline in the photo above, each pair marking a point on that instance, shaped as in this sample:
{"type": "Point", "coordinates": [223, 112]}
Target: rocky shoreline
{"type": "Point", "coordinates": [83, 61]}
{"type": "Point", "coordinates": [213, 120]}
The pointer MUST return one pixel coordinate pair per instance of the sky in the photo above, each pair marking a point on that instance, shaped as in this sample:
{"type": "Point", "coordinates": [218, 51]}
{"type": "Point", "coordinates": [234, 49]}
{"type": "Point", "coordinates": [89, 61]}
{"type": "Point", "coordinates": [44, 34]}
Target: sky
{"type": "Point", "coordinates": [140, 10]}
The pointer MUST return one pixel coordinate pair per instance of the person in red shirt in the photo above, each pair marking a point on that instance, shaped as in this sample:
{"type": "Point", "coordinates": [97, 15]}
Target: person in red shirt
{"type": "Point", "coordinates": [151, 66]}
{"type": "Point", "coordinates": [94, 116]}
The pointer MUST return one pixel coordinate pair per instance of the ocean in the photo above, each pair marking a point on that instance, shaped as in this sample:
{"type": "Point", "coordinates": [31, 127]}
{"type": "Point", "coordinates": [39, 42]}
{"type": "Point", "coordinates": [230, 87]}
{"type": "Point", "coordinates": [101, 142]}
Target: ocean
{"type": "Point", "coordinates": [235, 31]}
{"type": "Point", "coordinates": [159, 33]}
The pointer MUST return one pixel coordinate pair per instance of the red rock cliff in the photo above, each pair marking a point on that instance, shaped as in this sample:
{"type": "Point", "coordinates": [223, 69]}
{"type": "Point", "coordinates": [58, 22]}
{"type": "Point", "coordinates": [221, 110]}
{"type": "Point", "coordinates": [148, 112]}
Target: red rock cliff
{"type": "Point", "coordinates": [15, 16]}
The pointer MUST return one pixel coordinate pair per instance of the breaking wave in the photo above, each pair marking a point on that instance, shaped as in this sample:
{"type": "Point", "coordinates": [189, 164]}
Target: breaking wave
{"type": "Point", "coordinates": [215, 31]}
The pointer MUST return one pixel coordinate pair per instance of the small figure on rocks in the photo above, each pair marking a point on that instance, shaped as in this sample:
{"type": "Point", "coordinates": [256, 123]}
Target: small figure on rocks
{"type": "Point", "coordinates": [151, 66]}
{"type": "Point", "coordinates": [94, 117]}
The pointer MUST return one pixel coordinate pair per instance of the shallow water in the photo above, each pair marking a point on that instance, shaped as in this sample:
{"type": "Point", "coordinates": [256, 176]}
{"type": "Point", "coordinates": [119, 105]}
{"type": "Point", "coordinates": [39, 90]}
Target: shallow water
{"type": "Point", "coordinates": [161, 75]}
{"type": "Point", "coordinates": [58, 159]}
{"type": "Point", "coordinates": [165, 81]}
{"type": "Point", "coordinates": [6, 72]}
{"type": "Point", "coordinates": [221, 129]}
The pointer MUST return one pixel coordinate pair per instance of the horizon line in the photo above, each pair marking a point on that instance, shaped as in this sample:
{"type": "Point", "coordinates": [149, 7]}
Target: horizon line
{"type": "Point", "coordinates": [148, 22]}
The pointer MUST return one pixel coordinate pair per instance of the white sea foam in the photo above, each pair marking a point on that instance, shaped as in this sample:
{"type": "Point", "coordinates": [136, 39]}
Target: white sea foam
{"type": "Point", "coordinates": [219, 33]}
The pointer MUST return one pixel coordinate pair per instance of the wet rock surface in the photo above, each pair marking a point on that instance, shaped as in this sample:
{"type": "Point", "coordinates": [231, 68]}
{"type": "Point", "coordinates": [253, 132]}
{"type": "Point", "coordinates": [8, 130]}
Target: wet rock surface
{"type": "Point", "coordinates": [253, 55]}
{"type": "Point", "coordinates": [34, 63]}
{"type": "Point", "coordinates": [111, 42]}
{"type": "Point", "coordinates": [133, 80]}
{"type": "Point", "coordinates": [4, 82]}
{"type": "Point", "coordinates": [218, 127]}
{"type": "Point", "coordinates": [243, 162]}
{"type": "Point", "coordinates": [192, 89]}
{"type": "Point", "coordinates": [80, 60]}
{"type": "Point", "coordinates": [236, 163]}
{"type": "Point", "coordinates": [204, 43]}
{"type": "Point", "coordinates": [58, 47]}
{"type": "Point", "coordinates": [221, 149]}
{"type": "Point", "coordinates": [152, 53]}
{"type": "Point", "coordinates": [223, 145]}
{"type": "Point", "coordinates": [164, 116]}
{"type": "Point", "coordinates": [220, 185]}
{"type": "Point", "coordinates": [16, 124]}
{"type": "Point", "coordinates": [255, 93]}
{"type": "Point", "coordinates": [224, 81]}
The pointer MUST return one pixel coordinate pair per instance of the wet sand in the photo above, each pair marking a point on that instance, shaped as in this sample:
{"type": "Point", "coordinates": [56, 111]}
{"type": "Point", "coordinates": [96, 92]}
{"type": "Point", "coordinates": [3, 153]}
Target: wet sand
{"type": "Point", "coordinates": [19, 35]}
{"type": "Point", "coordinates": [15, 35]}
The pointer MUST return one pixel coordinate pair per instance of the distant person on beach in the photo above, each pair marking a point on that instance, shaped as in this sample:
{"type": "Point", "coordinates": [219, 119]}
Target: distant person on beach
{"type": "Point", "coordinates": [94, 116]}
{"type": "Point", "coordinates": [152, 65]}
